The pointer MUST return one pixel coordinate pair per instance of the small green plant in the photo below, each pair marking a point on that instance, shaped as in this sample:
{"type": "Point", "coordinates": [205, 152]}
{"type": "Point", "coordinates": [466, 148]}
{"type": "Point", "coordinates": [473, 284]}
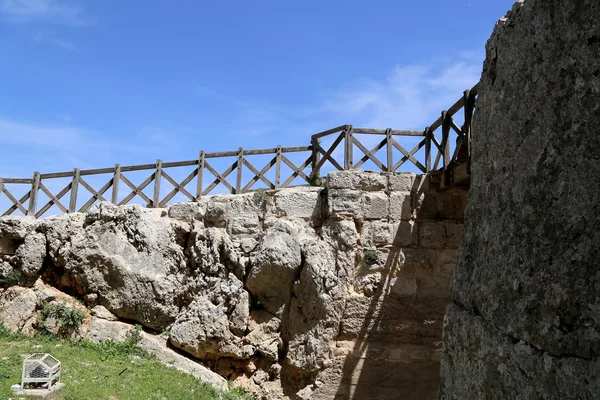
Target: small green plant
{"type": "Point", "coordinates": [315, 179]}
{"type": "Point", "coordinates": [371, 257]}
{"type": "Point", "coordinates": [67, 319]}
{"type": "Point", "coordinates": [263, 197]}
{"type": "Point", "coordinates": [125, 349]}
{"type": "Point", "coordinates": [10, 279]}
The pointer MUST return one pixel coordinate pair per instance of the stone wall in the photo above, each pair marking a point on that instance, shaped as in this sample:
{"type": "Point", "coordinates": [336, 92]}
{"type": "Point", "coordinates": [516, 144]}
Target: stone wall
{"type": "Point", "coordinates": [307, 293]}
{"type": "Point", "coordinates": [525, 320]}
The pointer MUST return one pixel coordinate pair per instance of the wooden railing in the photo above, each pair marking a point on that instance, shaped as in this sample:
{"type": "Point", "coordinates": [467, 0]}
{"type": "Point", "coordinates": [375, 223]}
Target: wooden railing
{"type": "Point", "coordinates": [346, 151]}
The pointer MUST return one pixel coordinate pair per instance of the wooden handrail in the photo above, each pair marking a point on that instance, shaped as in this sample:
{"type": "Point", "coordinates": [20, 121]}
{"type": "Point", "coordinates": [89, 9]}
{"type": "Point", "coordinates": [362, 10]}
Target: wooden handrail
{"type": "Point", "coordinates": [319, 156]}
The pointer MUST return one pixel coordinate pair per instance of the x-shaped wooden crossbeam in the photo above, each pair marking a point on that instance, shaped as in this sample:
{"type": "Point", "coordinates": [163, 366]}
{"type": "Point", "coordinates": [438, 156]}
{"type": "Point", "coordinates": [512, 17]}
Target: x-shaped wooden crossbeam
{"type": "Point", "coordinates": [259, 175]}
{"type": "Point", "coordinates": [297, 171]}
{"type": "Point", "coordinates": [17, 204]}
{"type": "Point", "coordinates": [409, 155]}
{"type": "Point", "coordinates": [178, 187]}
{"type": "Point", "coordinates": [54, 200]}
{"type": "Point", "coordinates": [96, 195]}
{"type": "Point", "coordinates": [220, 178]}
{"type": "Point", "coordinates": [136, 190]}
{"type": "Point", "coordinates": [327, 154]}
{"type": "Point", "coordinates": [369, 155]}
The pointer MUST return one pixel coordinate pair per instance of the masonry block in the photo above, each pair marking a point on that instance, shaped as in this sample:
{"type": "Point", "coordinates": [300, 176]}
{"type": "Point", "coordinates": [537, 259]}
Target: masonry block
{"type": "Point", "coordinates": [376, 205]}
{"type": "Point", "coordinates": [345, 202]}
{"type": "Point", "coordinates": [401, 181]}
{"type": "Point", "coordinates": [299, 203]}
{"type": "Point", "coordinates": [453, 234]}
{"type": "Point", "coordinates": [432, 234]}
{"type": "Point", "coordinates": [400, 206]}
{"type": "Point", "coordinates": [357, 179]}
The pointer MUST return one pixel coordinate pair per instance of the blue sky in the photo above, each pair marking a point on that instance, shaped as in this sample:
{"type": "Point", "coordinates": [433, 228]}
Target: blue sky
{"type": "Point", "coordinates": [90, 84]}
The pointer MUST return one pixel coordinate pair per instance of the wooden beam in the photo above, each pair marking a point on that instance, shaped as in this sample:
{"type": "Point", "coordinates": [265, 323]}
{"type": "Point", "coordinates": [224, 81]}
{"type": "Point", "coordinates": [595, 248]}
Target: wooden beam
{"type": "Point", "coordinates": [28, 181]}
{"type": "Point", "coordinates": [157, 176]}
{"type": "Point", "coordinates": [278, 166]}
{"type": "Point", "coordinates": [259, 175]}
{"type": "Point", "coordinates": [178, 187]}
{"type": "Point", "coordinates": [74, 188]}
{"type": "Point", "coordinates": [220, 178]}
{"type": "Point", "coordinates": [327, 155]}
{"type": "Point", "coordinates": [200, 175]}
{"type": "Point", "coordinates": [329, 132]}
{"type": "Point", "coordinates": [17, 204]}
{"type": "Point", "coordinates": [54, 200]}
{"type": "Point", "coordinates": [369, 154]}
{"type": "Point", "coordinates": [409, 155]}
{"type": "Point", "coordinates": [446, 144]}
{"type": "Point", "coordinates": [240, 165]}
{"type": "Point", "coordinates": [389, 150]}
{"type": "Point", "coordinates": [136, 190]}
{"type": "Point", "coordinates": [348, 148]}
{"type": "Point", "coordinates": [298, 171]}
{"type": "Point", "coordinates": [427, 150]}
{"type": "Point", "coordinates": [95, 195]}
{"type": "Point", "coordinates": [34, 194]}
{"type": "Point", "coordinates": [115, 185]}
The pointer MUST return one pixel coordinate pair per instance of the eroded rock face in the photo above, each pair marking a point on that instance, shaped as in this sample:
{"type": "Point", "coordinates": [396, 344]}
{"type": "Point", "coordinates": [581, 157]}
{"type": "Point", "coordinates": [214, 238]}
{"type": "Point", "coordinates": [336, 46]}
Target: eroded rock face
{"type": "Point", "coordinates": [527, 276]}
{"type": "Point", "coordinates": [272, 290]}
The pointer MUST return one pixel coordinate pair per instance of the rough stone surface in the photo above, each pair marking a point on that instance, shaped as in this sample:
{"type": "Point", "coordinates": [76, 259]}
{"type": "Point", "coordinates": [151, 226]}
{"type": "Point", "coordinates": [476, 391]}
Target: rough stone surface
{"type": "Point", "coordinates": [17, 308]}
{"type": "Point", "coordinates": [527, 277]}
{"type": "Point", "coordinates": [311, 293]}
{"type": "Point", "coordinates": [102, 313]}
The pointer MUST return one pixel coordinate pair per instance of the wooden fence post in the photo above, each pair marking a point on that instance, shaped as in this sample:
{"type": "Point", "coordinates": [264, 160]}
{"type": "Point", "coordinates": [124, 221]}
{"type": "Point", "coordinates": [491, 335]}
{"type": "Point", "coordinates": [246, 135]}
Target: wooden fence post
{"type": "Point", "coordinates": [428, 134]}
{"type": "Point", "coordinates": [35, 185]}
{"type": "Point", "coordinates": [115, 184]}
{"type": "Point", "coordinates": [278, 167]}
{"type": "Point", "coordinates": [469, 101]}
{"type": "Point", "coordinates": [348, 148]}
{"type": "Point", "coordinates": [157, 175]}
{"type": "Point", "coordinates": [446, 145]}
{"type": "Point", "coordinates": [389, 148]}
{"type": "Point", "coordinates": [200, 175]}
{"type": "Point", "coordinates": [74, 189]}
{"type": "Point", "coordinates": [240, 163]}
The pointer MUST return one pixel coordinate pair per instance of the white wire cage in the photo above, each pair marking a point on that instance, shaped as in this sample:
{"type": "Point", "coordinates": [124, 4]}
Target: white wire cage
{"type": "Point", "coordinates": [40, 370]}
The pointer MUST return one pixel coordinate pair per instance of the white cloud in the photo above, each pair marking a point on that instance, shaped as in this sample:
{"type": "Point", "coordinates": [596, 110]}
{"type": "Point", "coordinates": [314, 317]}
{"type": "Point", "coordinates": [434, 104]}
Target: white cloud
{"type": "Point", "coordinates": [64, 147]}
{"type": "Point", "coordinates": [409, 97]}
{"type": "Point", "coordinates": [43, 10]}
{"type": "Point", "coordinates": [41, 37]}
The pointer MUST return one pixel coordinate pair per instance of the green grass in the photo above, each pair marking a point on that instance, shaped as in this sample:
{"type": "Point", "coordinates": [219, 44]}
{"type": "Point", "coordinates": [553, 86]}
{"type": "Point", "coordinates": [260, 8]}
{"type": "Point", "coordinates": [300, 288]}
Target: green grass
{"type": "Point", "coordinates": [104, 371]}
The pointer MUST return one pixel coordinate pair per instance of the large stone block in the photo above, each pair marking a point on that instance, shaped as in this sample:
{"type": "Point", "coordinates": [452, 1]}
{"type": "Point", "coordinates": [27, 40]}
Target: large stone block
{"type": "Point", "coordinates": [402, 182]}
{"type": "Point", "coordinates": [400, 206]}
{"type": "Point", "coordinates": [481, 361]}
{"type": "Point", "coordinates": [345, 203]}
{"type": "Point", "coordinates": [376, 205]}
{"type": "Point", "coordinates": [528, 263]}
{"type": "Point", "coordinates": [432, 234]}
{"type": "Point", "coordinates": [299, 203]}
{"type": "Point", "coordinates": [357, 179]}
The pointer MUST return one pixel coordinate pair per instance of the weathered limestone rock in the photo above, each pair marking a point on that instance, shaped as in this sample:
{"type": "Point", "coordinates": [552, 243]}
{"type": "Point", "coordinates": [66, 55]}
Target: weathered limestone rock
{"type": "Point", "coordinates": [261, 287]}
{"type": "Point", "coordinates": [278, 260]}
{"type": "Point", "coordinates": [17, 309]}
{"type": "Point", "coordinates": [526, 318]}
{"type": "Point", "coordinates": [30, 255]}
{"type": "Point", "coordinates": [130, 257]}
{"type": "Point", "coordinates": [13, 231]}
{"type": "Point", "coordinates": [102, 313]}
{"type": "Point", "coordinates": [211, 327]}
